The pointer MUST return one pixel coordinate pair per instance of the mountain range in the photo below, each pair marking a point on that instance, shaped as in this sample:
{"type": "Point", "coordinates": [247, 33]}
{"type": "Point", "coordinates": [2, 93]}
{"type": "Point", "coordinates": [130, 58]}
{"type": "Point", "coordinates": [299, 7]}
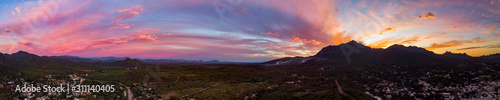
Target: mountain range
{"type": "Point", "coordinates": [32, 64]}
{"type": "Point", "coordinates": [353, 52]}
{"type": "Point", "coordinates": [353, 61]}
{"type": "Point", "coordinates": [147, 60]}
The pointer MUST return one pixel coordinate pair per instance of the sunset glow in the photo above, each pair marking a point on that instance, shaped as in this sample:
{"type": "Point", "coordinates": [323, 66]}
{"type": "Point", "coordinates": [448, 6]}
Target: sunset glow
{"type": "Point", "coordinates": [250, 30]}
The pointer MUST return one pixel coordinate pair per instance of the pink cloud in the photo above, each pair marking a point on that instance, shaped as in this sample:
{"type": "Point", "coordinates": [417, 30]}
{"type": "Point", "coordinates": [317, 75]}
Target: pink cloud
{"type": "Point", "coordinates": [24, 43]}
{"type": "Point", "coordinates": [320, 21]}
{"type": "Point", "coordinates": [250, 29]}
{"type": "Point", "coordinates": [59, 30]}
{"type": "Point", "coordinates": [82, 28]}
{"type": "Point", "coordinates": [270, 34]}
{"type": "Point", "coordinates": [81, 32]}
{"type": "Point", "coordinates": [6, 30]}
{"type": "Point", "coordinates": [128, 13]}
{"type": "Point", "coordinates": [107, 41]}
{"type": "Point", "coordinates": [143, 32]}
{"type": "Point", "coordinates": [121, 26]}
{"type": "Point", "coordinates": [144, 37]}
{"type": "Point", "coordinates": [71, 49]}
{"type": "Point", "coordinates": [165, 34]}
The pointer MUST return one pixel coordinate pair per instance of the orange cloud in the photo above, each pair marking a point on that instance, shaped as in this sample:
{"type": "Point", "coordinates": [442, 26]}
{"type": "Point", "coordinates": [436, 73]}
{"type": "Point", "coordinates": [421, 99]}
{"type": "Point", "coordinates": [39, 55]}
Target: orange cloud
{"type": "Point", "coordinates": [477, 47]}
{"type": "Point", "coordinates": [442, 33]}
{"type": "Point", "coordinates": [339, 38]}
{"type": "Point", "coordinates": [24, 43]}
{"type": "Point", "coordinates": [304, 41]}
{"type": "Point", "coordinates": [454, 43]}
{"type": "Point", "coordinates": [388, 30]}
{"type": "Point", "coordinates": [414, 39]}
{"type": "Point", "coordinates": [270, 34]}
{"type": "Point", "coordinates": [388, 42]}
{"type": "Point", "coordinates": [6, 30]}
{"type": "Point", "coordinates": [18, 11]}
{"type": "Point", "coordinates": [428, 15]}
{"type": "Point", "coordinates": [447, 44]}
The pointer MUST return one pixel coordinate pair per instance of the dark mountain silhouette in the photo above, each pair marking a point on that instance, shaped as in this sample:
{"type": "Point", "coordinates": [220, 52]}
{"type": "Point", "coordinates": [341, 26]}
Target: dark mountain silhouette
{"type": "Point", "coordinates": [90, 59]}
{"type": "Point", "coordinates": [146, 60]}
{"type": "Point", "coordinates": [5, 68]}
{"type": "Point", "coordinates": [32, 64]}
{"type": "Point", "coordinates": [25, 56]}
{"type": "Point", "coordinates": [492, 56]}
{"type": "Point", "coordinates": [357, 52]}
{"type": "Point", "coordinates": [74, 58]}
{"type": "Point", "coordinates": [412, 49]}
{"type": "Point", "coordinates": [288, 61]}
{"type": "Point", "coordinates": [108, 59]}
{"type": "Point", "coordinates": [456, 55]}
{"type": "Point", "coordinates": [130, 63]}
{"type": "Point", "coordinates": [335, 51]}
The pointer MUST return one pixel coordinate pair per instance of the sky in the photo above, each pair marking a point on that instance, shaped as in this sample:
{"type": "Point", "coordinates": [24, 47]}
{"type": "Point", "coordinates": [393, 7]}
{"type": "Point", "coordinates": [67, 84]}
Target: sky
{"type": "Point", "coordinates": [243, 30]}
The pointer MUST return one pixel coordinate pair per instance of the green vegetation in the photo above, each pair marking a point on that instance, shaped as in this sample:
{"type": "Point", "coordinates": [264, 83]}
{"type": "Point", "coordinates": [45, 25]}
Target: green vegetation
{"type": "Point", "coordinates": [236, 82]}
{"type": "Point", "coordinates": [122, 76]}
{"type": "Point", "coordinates": [183, 80]}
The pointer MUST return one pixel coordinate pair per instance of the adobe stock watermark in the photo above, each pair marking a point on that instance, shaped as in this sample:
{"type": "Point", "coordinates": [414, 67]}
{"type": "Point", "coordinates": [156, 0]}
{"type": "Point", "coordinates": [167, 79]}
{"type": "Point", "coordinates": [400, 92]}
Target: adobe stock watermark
{"type": "Point", "coordinates": [222, 7]}
{"type": "Point", "coordinates": [153, 72]}
{"type": "Point", "coordinates": [376, 24]}
{"type": "Point", "coordinates": [348, 50]}
{"type": "Point", "coordinates": [372, 26]}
